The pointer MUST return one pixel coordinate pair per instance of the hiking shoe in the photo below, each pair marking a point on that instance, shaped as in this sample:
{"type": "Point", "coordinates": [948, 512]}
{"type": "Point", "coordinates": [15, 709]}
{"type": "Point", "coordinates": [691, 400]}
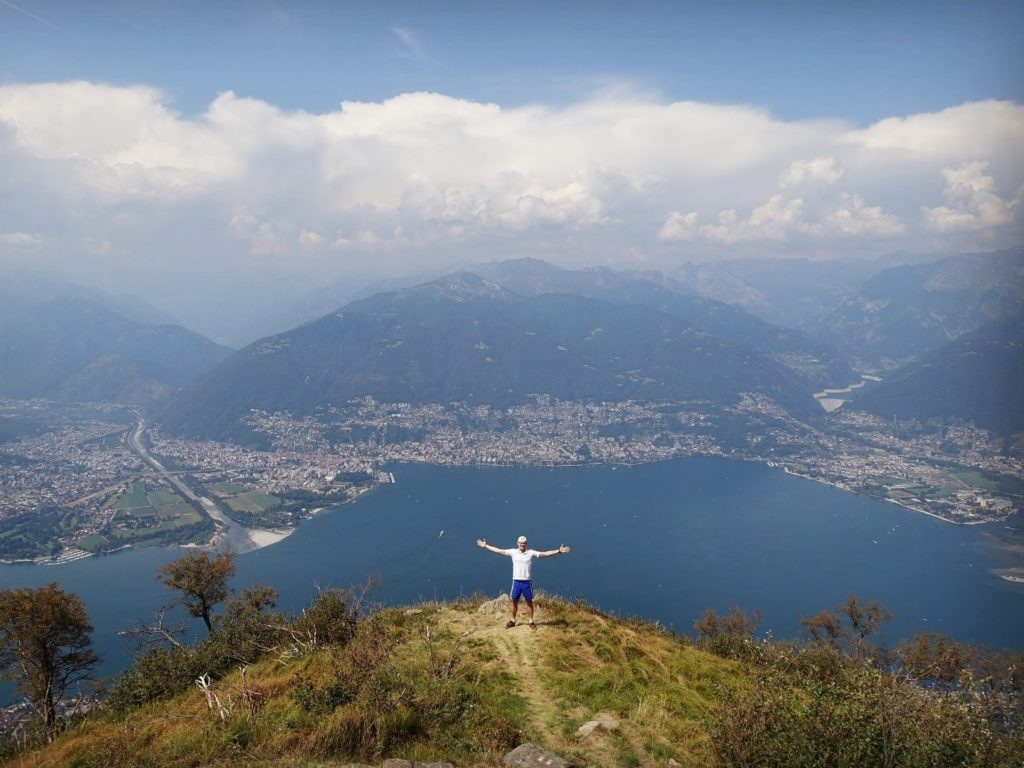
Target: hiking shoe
{"type": "Point", "coordinates": [509, 624]}
{"type": "Point", "coordinates": [532, 625]}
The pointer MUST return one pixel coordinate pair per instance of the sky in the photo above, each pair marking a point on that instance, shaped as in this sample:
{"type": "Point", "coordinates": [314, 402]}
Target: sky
{"type": "Point", "coordinates": [187, 151]}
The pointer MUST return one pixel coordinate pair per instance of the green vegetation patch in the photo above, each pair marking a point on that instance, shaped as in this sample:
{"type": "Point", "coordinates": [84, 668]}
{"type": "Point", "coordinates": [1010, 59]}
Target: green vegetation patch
{"type": "Point", "coordinates": [189, 517]}
{"type": "Point", "coordinates": [444, 683]}
{"type": "Point", "coordinates": [145, 515]}
{"type": "Point", "coordinates": [187, 526]}
{"type": "Point", "coordinates": [254, 501]}
{"type": "Point", "coordinates": [36, 534]}
{"type": "Point", "coordinates": [95, 542]}
{"type": "Point", "coordinates": [135, 497]}
{"type": "Point", "coordinates": [176, 509]}
{"type": "Point", "coordinates": [977, 480]}
{"type": "Point", "coordinates": [228, 489]}
{"type": "Point", "coordinates": [637, 671]}
{"type": "Point", "coordinates": [162, 497]}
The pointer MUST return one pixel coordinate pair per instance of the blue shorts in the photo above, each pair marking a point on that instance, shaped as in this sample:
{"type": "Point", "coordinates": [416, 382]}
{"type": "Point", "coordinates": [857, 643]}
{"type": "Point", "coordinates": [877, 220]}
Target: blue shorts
{"type": "Point", "coordinates": [521, 589]}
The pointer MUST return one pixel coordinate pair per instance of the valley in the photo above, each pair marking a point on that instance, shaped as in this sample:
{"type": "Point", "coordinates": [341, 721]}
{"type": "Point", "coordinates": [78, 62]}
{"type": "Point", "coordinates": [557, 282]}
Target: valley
{"type": "Point", "coordinates": [222, 492]}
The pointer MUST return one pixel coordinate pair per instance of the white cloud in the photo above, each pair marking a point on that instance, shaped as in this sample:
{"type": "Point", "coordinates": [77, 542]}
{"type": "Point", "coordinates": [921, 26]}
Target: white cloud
{"type": "Point", "coordinates": [679, 226]}
{"type": "Point", "coordinates": [807, 203]}
{"type": "Point", "coordinates": [19, 240]}
{"type": "Point", "coordinates": [996, 125]}
{"type": "Point", "coordinates": [310, 239]}
{"type": "Point", "coordinates": [425, 176]}
{"type": "Point", "coordinates": [825, 171]}
{"type": "Point", "coordinates": [972, 201]}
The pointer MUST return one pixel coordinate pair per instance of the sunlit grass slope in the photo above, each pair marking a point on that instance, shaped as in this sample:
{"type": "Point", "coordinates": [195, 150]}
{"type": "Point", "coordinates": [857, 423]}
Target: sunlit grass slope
{"type": "Point", "coordinates": [432, 682]}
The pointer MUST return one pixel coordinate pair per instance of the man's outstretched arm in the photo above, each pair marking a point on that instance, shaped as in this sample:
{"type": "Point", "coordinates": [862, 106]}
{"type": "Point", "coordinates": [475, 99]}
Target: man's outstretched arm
{"type": "Point", "coordinates": [483, 543]}
{"type": "Point", "coordinates": [562, 550]}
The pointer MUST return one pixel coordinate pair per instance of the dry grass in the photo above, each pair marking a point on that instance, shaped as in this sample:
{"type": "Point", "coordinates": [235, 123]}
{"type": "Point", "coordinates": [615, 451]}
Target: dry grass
{"type": "Point", "coordinates": [455, 685]}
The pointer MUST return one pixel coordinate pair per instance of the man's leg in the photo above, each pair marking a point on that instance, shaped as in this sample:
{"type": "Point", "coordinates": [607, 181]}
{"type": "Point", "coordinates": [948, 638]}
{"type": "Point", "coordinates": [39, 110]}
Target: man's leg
{"type": "Point", "coordinates": [528, 595]}
{"type": "Point", "coordinates": [515, 594]}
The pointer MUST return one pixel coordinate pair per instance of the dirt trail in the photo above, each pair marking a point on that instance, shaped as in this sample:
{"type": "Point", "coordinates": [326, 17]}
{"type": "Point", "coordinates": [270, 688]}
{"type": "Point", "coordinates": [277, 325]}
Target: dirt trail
{"type": "Point", "coordinates": [519, 652]}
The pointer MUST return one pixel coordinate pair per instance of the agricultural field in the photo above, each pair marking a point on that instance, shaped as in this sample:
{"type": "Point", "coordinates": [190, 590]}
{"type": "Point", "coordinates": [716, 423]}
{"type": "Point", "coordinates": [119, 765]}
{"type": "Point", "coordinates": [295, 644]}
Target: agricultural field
{"type": "Point", "coordinates": [152, 516]}
{"type": "Point", "coordinates": [250, 507]}
{"type": "Point", "coordinates": [227, 489]}
{"type": "Point", "coordinates": [976, 480]}
{"type": "Point", "coordinates": [135, 498]}
{"type": "Point", "coordinates": [253, 501]}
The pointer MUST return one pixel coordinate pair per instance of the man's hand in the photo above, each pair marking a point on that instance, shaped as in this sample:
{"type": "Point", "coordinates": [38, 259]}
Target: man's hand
{"type": "Point", "coordinates": [564, 550]}
{"type": "Point", "coordinates": [481, 543]}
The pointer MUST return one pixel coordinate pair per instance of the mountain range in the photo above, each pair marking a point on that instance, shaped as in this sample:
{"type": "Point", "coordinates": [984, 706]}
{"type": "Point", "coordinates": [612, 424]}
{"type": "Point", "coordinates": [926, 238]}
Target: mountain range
{"type": "Point", "coordinates": [904, 312]}
{"type": "Point", "coordinates": [23, 290]}
{"type": "Point", "coordinates": [793, 349]}
{"type": "Point", "coordinates": [507, 331]}
{"type": "Point", "coordinates": [976, 378]}
{"type": "Point", "coordinates": [467, 339]}
{"type": "Point", "coordinates": [75, 349]}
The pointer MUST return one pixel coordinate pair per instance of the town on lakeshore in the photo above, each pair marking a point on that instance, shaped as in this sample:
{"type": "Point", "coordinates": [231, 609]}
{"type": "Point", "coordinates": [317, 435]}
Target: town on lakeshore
{"type": "Point", "coordinates": [78, 479]}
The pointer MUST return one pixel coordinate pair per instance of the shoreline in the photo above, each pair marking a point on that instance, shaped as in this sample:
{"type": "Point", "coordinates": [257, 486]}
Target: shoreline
{"type": "Point", "coordinates": [788, 471]}
{"type": "Point", "coordinates": [258, 538]}
{"type": "Point", "coordinates": [767, 462]}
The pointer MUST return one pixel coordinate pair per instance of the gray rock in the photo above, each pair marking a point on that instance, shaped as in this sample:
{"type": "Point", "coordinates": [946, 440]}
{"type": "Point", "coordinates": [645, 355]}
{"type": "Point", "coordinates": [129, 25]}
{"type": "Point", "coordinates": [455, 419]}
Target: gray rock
{"type": "Point", "coordinates": [394, 762]}
{"type": "Point", "coordinates": [603, 721]}
{"type": "Point", "coordinates": [587, 728]}
{"type": "Point", "coordinates": [532, 756]}
{"type": "Point", "coordinates": [499, 604]}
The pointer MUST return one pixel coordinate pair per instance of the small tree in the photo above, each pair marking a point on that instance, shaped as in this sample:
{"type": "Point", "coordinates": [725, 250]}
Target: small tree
{"type": "Point", "coordinates": [44, 645]}
{"type": "Point", "coordinates": [852, 636]}
{"type": "Point", "coordinates": [202, 581]}
{"type": "Point", "coordinates": [731, 635]}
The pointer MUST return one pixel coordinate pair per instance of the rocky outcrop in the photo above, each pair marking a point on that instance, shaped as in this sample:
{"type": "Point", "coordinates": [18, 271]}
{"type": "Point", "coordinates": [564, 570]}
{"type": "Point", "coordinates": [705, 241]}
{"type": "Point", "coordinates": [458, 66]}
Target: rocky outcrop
{"type": "Point", "coordinates": [523, 756]}
{"type": "Point", "coordinates": [602, 721]}
{"type": "Point", "coordinates": [532, 756]}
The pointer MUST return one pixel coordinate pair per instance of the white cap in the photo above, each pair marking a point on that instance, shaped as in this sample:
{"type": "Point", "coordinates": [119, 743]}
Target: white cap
{"type": "Point", "coordinates": [521, 540]}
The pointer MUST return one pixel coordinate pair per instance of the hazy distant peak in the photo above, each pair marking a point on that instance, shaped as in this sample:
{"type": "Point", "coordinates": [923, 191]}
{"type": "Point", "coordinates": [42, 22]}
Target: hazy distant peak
{"type": "Point", "coordinates": [979, 271]}
{"type": "Point", "coordinates": [467, 285]}
{"type": "Point", "coordinates": [526, 262]}
{"type": "Point", "coordinates": [25, 288]}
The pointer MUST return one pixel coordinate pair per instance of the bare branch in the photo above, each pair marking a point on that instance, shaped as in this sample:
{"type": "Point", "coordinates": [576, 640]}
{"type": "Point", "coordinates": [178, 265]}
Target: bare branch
{"type": "Point", "coordinates": [147, 634]}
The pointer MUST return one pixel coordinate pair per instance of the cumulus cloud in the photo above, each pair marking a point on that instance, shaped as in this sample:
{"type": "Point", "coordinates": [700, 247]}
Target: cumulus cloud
{"type": "Point", "coordinates": [972, 201]}
{"type": "Point", "coordinates": [996, 125]}
{"type": "Point", "coordinates": [679, 226]}
{"type": "Point", "coordinates": [426, 176]}
{"type": "Point", "coordinates": [807, 203]}
{"type": "Point", "coordinates": [310, 239]}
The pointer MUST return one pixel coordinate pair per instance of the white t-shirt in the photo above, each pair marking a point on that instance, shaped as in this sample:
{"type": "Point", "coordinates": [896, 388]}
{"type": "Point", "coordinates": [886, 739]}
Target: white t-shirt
{"type": "Point", "coordinates": [521, 562]}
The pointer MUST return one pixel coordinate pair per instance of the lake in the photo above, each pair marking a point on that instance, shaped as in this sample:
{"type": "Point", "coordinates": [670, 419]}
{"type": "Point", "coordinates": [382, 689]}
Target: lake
{"type": "Point", "coordinates": [664, 541]}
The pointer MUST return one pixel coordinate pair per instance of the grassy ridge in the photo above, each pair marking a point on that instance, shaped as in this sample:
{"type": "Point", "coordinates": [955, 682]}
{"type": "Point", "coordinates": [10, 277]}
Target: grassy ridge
{"type": "Point", "coordinates": [448, 682]}
{"type": "Point", "coordinates": [436, 682]}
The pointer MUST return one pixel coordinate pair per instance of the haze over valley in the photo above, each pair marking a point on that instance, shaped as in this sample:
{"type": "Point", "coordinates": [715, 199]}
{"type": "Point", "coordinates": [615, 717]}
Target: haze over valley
{"type": "Point", "coordinates": [516, 363]}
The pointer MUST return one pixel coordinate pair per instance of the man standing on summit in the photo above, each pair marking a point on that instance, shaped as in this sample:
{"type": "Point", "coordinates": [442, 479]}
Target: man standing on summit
{"type": "Point", "coordinates": [522, 586]}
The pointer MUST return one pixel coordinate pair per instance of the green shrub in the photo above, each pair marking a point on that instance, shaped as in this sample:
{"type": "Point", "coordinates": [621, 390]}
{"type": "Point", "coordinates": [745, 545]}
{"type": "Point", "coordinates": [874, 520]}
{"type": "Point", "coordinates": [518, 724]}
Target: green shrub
{"type": "Point", "coordinates": [729, 636]}
{"type": "Point", "coordinates": [331, 618]}
{"type": "Point", "coordinates": [815, 707]}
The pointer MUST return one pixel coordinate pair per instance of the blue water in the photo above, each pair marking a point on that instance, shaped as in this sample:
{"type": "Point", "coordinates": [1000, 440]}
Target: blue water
{"type": "Point", "coordinates": [664, 541]}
